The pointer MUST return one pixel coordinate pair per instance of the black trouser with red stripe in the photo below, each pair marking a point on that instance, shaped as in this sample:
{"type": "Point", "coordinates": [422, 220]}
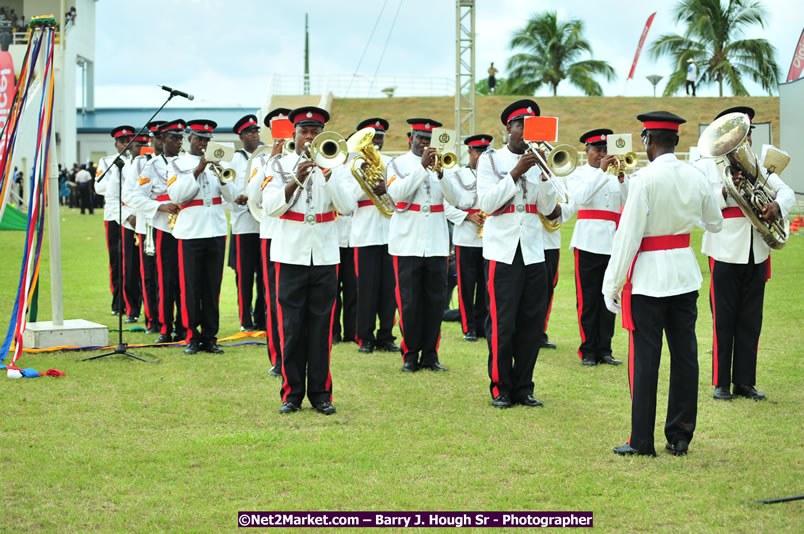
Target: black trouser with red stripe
{"type": "Point", "coordinates": [132, 286]}
{"type": "Point", "coordinates": [306, 311]}
{"type": "Point", "coordinates": [675, 317]}
{"type": "Point", "coordinates": [596, 322]}
{"type": "Point", "coordinates": [736, 297]}
{"type": "Point", "coordinates": [114, 240]}
{"type": "Point", "coordinates": [551, 257]}
{"type": "Point", "coordinates": [248, 260]}
{"type": "Point", "coordinates": [200, 274]}
{"type": "Point", "coordinates": [516, 301]}
{"type": "Point", "coordinates": [374, 269]}
{"type": "Point", "coordinates": [346, 298]}
{"type": "Point", "coordinates": [420, 286]}
{"type": "Point", "coordinates": [471, 289]}
{"type": "Point", "coordinates": [167, 279]}
{"type": "Point", "coordinates": [148, 278]}
{"type": "Point", "coordinates": [274, 344]}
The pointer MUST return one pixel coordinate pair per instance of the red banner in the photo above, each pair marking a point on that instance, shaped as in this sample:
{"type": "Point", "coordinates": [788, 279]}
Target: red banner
{"type": "Point", "coordinates": [639, 48]}
{"type": "Point", "coordinates": [797, 64]}
{"type": "Point", "coordinates": [7, 86]}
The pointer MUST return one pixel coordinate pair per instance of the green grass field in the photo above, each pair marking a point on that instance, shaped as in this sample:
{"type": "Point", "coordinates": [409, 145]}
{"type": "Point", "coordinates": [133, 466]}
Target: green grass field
{"type": "Point", "coordinates": [118, 445]}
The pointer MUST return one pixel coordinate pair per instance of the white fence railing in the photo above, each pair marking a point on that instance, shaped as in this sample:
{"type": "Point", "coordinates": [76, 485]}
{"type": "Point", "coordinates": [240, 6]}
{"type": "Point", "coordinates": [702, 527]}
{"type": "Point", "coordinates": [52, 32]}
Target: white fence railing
{"type": "Point", "coordinates": [362, 86]}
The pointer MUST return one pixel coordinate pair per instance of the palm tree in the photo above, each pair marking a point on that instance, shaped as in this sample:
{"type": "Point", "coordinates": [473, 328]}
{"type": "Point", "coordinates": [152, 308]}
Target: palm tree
{"type": "Point", "coordinates": [712, 41]}
{"type": "Point", "coordinates": [551, 50]}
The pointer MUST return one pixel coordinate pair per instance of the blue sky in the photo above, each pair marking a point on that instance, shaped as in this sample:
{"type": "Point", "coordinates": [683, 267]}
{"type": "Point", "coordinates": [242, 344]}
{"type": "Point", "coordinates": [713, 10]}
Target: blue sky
{"type": "Point", "coordinates": [224, 52]}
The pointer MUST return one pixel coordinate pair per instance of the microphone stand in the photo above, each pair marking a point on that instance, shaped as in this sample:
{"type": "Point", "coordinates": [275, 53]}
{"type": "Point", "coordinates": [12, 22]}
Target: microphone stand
{"type": "Point", "coordinates": [122, 348]}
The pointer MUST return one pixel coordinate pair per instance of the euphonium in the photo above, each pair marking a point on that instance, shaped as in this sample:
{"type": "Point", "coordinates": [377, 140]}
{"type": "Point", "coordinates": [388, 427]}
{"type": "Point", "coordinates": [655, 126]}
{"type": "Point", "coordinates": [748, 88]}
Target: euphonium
{"type": "Point", "coordinates": [725, 140]}
{"type": "Point", "coordinates": [625, 164]}
{"type": "Point", "coordinates": [374, 172]}
{"type": "Point", "coordinates": [225, 175]}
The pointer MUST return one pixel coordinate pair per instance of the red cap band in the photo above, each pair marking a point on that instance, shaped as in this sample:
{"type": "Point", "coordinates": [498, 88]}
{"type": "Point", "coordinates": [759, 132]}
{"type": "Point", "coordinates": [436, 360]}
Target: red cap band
{"type": "Point", "coordinates": [423, 127]}
{"type": "Point", "coordinates": [201, 127]}
{"type": "Point", "coordinates": [246, 125]}
{"type": "Point", "coordinates": [142, 139]}
{"type": "Point", "coordinates": [309, 116]}
{"type": "Point", "coordinates": [518, 112]}
{"type": "Point", "coordinates": [660, 125]}
{"type": "Point", "coordinates": [479, 142]}
{"type": "Point", "coordinates": [123, 133]}
{"type": "Point", "coordinates": [595, 139]}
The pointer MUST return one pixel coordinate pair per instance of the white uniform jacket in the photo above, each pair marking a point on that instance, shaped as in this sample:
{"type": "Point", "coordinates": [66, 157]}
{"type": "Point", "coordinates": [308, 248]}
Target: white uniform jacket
{"type": "Point", "coordinates": [369, 226]}
{"type": "Point", "coordinates": [464, 234]}
{"type": "Point", "coordinates": [109, 187]}
{"type": "Point", "coordinates": [240, 218]}
{"type": "Point", "coordinates": [130, 199]}
{"type": "Point", "coordinates": [592, 189]}
{"type": "Point", "coordinates": [668, 197]}
{"type": "Point", "coordinates": [151, 191]}
{"type": "Point", "coordinates": [202, 214]}
{"type": "Point", "coordinates": [254, 189]}
{"type": "Point", "coordinates": [418, 226]}
{"type": "Point", "coordinates": [305, 233]}
{"type": "Point", "coordinates": [733, 244]}
{"type": "Point", "coordinates": [517, 223]}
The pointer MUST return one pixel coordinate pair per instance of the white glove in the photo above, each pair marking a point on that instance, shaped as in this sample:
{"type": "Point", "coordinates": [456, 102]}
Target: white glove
{"type": "Point", "coordinates": [613, 304]}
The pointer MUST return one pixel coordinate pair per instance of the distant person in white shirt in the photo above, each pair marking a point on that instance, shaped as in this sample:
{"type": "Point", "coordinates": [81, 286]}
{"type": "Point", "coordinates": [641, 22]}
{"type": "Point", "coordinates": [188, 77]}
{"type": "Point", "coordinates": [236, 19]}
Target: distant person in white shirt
{"type": "Point", "coordinates": [652, 253]}
{"type": "Point", "coordinates": [739, 262]}
{"type": "Point", "coordinates": [692, 75]}
{"type": "Point", "coordinates": [84, 179]}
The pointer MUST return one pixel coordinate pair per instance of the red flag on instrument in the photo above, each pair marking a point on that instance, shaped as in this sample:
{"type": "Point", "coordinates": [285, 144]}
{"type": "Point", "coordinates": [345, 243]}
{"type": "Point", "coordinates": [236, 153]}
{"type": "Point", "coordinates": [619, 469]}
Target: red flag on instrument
{"type": "Point", "coordinates": [639, 47]}
{"type": "Point", "coordinates": [541, 129]}
{"type": "Point", "coordinates": [797, 65]}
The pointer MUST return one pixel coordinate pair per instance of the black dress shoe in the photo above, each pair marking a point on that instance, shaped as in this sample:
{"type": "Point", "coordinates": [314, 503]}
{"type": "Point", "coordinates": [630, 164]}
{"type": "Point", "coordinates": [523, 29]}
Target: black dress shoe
{"type": "Point", "coordinates": [132, 319]}
{"type": "Point", "coordinates": [501, 401]}
{"type": "Point", "coordinates": [722, 393]}
{"type": "Point", "coordinates": [152, 331]}
{"type": "Point", "coordinates": [546, 344]}
{"type": "Point", "coordinates": [247, 329]}
{"type": "Point", "coordinates": [180, 337]}
{"type": "Point", "coordinates": [366, 348]}
{"type": "Point", "coordinates": [628, 450]}
{"type": "Point", "coordinates": [607, 358]}
{"type": "Point", "coordinates": [289, 407]}
{"type": "Point", "coordinates": [588, 360]}
{"type": "Point", "coordinates": [748, 392]}
{"type": "Point", "coordinates": [192, 348]}
{"type": "Point", "coordinates": [388, 346]}
{"type": "Point", "coordinates": [410, 367]}
{"type": "Point", "coordinates": [435, 366]}
{"type": "Point", "coordinates": [164, 338]}
{"type": "Point", "coordinates": [530, 400]}
{"type": "Point", "coordinates": [212, 348]}
{"type": "Point", "coordinates": [276, 370]}
{"type": "Point", "coordinates": [325, 408]}
{"type": "Point", "coordinates": [679, 448]}
{"type": "Point", "coordinates": [470, 336]}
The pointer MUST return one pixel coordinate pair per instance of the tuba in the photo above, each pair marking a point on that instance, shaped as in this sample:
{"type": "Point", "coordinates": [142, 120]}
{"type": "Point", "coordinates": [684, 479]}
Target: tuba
{"type": "Point", "coordinates": [374, 172]}
{"type": "Point", "coordinates": [725, 141]}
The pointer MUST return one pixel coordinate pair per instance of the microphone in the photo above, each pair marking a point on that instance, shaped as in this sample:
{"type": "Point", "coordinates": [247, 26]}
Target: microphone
{"type": "Point", "coordinates": [177, 92]}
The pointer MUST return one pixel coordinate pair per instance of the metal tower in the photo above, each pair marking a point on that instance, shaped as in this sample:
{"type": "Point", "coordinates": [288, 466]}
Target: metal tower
{"type": "Point", "coordinates": [464, 71]}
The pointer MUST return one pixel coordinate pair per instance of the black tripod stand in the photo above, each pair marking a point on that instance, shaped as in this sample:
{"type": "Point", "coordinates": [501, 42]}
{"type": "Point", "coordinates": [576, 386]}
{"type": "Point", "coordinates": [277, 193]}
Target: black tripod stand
{"type": "Point", "coordinates": [122, 348]}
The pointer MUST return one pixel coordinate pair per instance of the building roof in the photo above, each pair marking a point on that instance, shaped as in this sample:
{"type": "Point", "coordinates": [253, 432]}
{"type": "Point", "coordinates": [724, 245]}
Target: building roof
{"type": "Point", "coordinates": [102, 120]}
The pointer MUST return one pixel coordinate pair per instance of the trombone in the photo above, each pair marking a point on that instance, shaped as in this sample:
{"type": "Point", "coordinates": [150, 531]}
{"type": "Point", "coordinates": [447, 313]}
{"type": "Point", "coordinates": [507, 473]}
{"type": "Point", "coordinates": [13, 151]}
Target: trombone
{"type": "Point", "coordinates": [328, 150]}
{"type": "Point", "coordinates": [561, 161]}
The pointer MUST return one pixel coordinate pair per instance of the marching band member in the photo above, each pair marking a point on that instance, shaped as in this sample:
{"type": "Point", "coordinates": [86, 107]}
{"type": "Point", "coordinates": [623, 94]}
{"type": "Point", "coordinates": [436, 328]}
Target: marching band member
{"type": "Point", "coordinates": [513, 191]}
{"type": "Point", "coordinates": [108, 186]}
{"type": "Point", "coordinates": [201, 231]}
{"type": "Point", "coordinates": [598, 197]}
{"type": "Point", "coordinates": [147, 265]}
{"type": "Point", "coordinates": [305, 252]}
{"type": "Point", "coordinates": [346, 295]}
{"type": "Point", "coordinates": [374, 267]}
{"type": "Point", "coordinates": [466, 236]}
{"type": "Point", "coordinates": [651, 246]}
{"type": "Point", "coordinates": [418, 240]}
{"type": "Point", "coordinates": [151, 198]}
{"type": "Point", "coordinates": [739, 263]}
{"type": "Point", "coordinates": [255, 186]}
{"type": "Point", "coordinates": [246, 231]}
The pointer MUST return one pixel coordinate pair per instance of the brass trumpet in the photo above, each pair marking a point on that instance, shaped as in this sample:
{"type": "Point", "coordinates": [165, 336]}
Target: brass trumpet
{"type": "Point", "coordinates": [625, 164]}
{"type": "Point", "coordinates": [443, 160]}
{"type": "Point", "coordinates": [480, 226]}
{"type": "Point", "coordinates": [172, 218]}
{"type": "Point", "coordinates": [225, 176]}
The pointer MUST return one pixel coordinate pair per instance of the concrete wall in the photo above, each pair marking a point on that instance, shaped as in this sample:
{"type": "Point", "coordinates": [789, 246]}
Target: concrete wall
{"type": "Point", "coordinates": [791, 115]}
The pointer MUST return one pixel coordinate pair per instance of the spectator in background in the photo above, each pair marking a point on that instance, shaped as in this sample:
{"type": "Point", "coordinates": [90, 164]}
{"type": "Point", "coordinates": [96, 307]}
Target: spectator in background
{"type": "Point", "coordinates": [692, 75]}
{"type": "Point", "coordinates": [84, 179]}
{"type": "Point", "coordinates": [492, 79]}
